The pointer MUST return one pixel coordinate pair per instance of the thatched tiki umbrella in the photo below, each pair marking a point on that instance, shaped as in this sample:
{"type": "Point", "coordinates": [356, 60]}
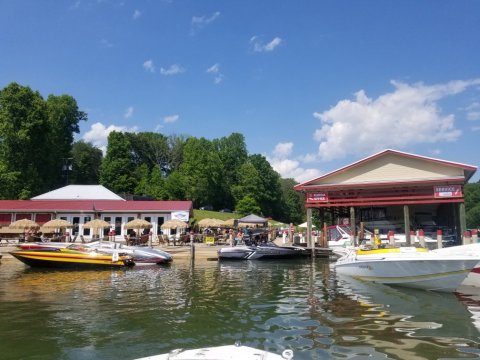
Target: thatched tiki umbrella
{"type": "Point", "coordinates": [24, 224]}
{"type": "Point", "coordinates": [204, 223]}
{"type": "Point", "coordinates": [96, 224]}
{"type": "Point", "coordinates": [139, 224]}
{"type": "Point", "coordinates": [57, 224]}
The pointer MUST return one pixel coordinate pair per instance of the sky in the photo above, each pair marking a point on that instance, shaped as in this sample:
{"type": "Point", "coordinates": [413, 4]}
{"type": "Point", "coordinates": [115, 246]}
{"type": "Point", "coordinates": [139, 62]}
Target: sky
{"type": "Point", "coordinates": [313, 85]}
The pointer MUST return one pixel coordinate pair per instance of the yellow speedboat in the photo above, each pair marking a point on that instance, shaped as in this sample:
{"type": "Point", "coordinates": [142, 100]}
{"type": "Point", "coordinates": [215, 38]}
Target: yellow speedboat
{"type": "Point", "coordinates": [72, 257]}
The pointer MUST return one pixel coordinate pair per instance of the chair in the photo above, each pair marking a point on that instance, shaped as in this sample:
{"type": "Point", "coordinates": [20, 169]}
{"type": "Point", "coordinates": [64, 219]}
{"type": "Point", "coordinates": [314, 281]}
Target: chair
{"type": "Point", "coordinates": [143, 240]}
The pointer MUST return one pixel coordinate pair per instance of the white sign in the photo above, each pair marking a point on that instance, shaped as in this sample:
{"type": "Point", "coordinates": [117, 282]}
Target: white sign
{"type": "Point", "coordinates": [180, 215]}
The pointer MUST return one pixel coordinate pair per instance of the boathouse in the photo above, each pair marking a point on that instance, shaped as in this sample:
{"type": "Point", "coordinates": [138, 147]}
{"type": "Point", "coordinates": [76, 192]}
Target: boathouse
{"type": "Point", "coordinates": [79, 204]}
{"type": "Point", "coordinates": [393, 191]}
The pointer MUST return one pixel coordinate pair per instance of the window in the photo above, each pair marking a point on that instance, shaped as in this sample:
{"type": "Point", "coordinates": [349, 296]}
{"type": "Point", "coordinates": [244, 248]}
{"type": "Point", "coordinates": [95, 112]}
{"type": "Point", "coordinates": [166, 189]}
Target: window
{"type": "Point", "coordinates": [160, 221]}
{"type": "Point", "coordinates": [85, 230]}
{"type": "Point", "coordinates": [106, 230]}
{"type": "Point", "coordinates": [118, 225]}
{"type": "Point", "coordinates": [76, 222]}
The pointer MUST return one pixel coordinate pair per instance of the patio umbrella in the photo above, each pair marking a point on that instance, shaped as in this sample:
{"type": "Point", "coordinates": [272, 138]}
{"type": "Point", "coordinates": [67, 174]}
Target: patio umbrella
{"type": "Point", "coordinates": [58, 224]}
{"type": "Point", "coordinates": [229, 223]}
{"type": "Point", "coordinates": [204, 223]}
{"type": "Point", "coordinates": [174, 224]}
{"type": "Point", "coordinates": [24, 224]}
{"type": "Point", "coordinates": [96, 224]}
{"type": "Point", "coordinates": [138, 224]}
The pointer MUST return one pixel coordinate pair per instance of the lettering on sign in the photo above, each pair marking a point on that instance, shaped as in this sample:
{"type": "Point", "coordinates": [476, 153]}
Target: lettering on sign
{"type": "Point", "coordinates": [448, 191]}
{"type": "Point", "coordinates": [317, 197]}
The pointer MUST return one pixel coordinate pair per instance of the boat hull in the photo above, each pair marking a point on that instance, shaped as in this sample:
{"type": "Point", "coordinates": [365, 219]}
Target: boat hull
{"type": "Point", "coordinates": [63, 258]}
{"type": "Point", "coordinates": [231, 352]}
{"type": "Point", "coordinates": [417, 270]}
{"type": "Point", "coordinates": [260, 252]}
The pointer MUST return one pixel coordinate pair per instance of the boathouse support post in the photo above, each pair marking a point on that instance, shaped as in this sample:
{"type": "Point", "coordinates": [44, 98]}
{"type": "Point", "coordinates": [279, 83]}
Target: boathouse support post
{"type": "Point", "coordinates": [406, 218]}
{"type": "Point", "coordinates": [462, 220]}
{"type": "Point", "coordinates": [353, 228]}
{"type": "Point", "coordinates": [310, 241]}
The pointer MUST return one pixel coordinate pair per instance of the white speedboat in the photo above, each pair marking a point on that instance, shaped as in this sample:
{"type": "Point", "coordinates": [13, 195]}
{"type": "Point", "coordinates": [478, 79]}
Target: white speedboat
{"type": "Point", "coordinates": [408, 266]}
{"type": "Point", "coordinates": [473, 278]}
{"type": "Point", "coordinates": [141, 255]}
{"type": "Point", "coordinates": [227, 352]}
{"type": "Point", "coordinates": [263, 251]}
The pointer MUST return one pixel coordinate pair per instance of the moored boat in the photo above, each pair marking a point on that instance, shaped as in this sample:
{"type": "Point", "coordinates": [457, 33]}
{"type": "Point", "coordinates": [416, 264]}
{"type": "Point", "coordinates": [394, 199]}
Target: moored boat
{"type": "Point", "coordinates": [75, 256]}
{"type": "Point", "coordinates": [408, 266]}
{"type": "Point", "coordinates": [227, 352]}
{"type": "Point", "coordinates": [141, 255]}
{"type": "Point", "coordinates": [263, 251]}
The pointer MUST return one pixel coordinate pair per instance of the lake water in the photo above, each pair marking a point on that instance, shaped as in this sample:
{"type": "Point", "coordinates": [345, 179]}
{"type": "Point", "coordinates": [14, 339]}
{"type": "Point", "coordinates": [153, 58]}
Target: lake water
{"type": "Point", "coordinates": [300, 305]}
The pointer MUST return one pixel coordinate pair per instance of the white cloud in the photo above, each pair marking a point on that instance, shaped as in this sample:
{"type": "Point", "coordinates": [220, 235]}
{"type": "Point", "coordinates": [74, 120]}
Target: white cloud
{"type": "Point", "coordinates": [283, 149]}
{"type": "Point", "coordinates": [149, 66]}
{"type": "Point", "coordinates": [171, 118]}
{"type": "Point", "coordinates": [408, 115]}
{"type": "Point", "coordinates": [129, 112]}
{"type": "Point", "coordinates": [199, 22]}
{"type": "Point", "coordinates": [288, 168]}
{"type": "Point", "coordinates": [215, 70]}
{"type": "Point", "coordinates": [473, 111]}
{"type": "Point", "coordinates": [98, 134]}
{"type": "Point", "coordinates": [259, 46]}
{"type": "Point", "coordinates": [136, 14]}
{"type": "Point", "coordinates": [172, 70]}
{"type": "Point", "coordinates": [106, 43]}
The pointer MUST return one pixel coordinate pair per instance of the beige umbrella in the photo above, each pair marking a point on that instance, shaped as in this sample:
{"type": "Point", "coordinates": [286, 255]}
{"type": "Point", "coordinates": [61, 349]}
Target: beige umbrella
{"type": "Point", "coordinates": [210, 223]}
{"type": "Point", "coordinates": [58, 224]}
{"type": "Point", "coordinates": [24, 224]}
{"type": "Point", "coordinates": [229, 223]}
{"type": "Point", "coordinates": [174, 224]}
{"type": "Point", "coordinates": [138, 224]}
{"type": "Point", "coordinates": [96, 224]}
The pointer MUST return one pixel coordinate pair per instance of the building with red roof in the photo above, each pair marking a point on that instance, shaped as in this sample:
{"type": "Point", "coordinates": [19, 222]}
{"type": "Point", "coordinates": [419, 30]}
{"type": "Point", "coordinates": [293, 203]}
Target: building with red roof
{"type": "Point", "coordinates": [79, 204]}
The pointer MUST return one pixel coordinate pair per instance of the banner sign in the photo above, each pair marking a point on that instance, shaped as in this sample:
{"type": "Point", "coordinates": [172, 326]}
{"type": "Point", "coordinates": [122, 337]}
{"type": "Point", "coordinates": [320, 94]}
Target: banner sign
{"type": "Point", "coordinates": [180, 215]}
{"type": "Point", "coordinates": [447, 191]}
{"type": "Point", "coordinates": [317, 197]}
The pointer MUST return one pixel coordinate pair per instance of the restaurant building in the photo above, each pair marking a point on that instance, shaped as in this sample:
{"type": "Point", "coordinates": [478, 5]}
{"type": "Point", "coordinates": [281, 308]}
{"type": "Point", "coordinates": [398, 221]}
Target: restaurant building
{"type": "Point", "coordinates": [394, 191]}
{"type": "Point", "coordinates": [79, 204]}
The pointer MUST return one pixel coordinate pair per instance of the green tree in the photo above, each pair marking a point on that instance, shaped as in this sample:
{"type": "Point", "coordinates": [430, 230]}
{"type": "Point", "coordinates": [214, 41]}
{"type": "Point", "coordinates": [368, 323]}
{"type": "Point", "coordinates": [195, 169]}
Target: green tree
{"type": "Point", "coordinates": [118, 171]}
{"type": "Point", "coordinates": [249, 183]}
{"type": "Point", "coordinates": [292, 203]}
{"type": "Point", "coordinates": [247, 205]}
{"type": "Point", "coordinates": [269, 194]}
{"type": "Point", "coordinates": [202, 172]}
{"type": "Point", "coordinates": [86, 161]}
{"type": "Point", "coordinates": [64, 118]}
{"type": "Point", "coordinates": [175, 186]}
{"type": "Point", "coordinates": [23, 149]}
{"type": "Point", "coordinates": [473, 218]}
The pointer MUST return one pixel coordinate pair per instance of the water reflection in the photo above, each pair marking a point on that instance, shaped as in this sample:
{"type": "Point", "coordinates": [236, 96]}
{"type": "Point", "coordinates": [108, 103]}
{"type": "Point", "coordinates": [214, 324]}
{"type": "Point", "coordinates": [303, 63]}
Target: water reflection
{"type": "Point", "coordinates": [302, 305]}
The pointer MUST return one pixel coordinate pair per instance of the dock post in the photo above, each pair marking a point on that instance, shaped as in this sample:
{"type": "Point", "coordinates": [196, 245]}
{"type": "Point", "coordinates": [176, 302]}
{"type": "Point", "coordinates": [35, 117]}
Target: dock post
{"type": "Point", "coordinates": [439, 239]}
{"type": "Point", "coordinates": [309, 231]}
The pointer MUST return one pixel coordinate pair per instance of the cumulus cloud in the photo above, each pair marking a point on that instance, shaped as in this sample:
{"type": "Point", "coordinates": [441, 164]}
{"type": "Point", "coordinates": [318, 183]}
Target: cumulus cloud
{"type": "Point", "coordinates": [128, 112]}
{"type": "Point", "coordinates": [259, 46]}
{"type": "Point", "coordinates": [136, 14]}
{"type": "Point", "coordinates": [172, 70]}
{"type": "Point", "coordinates": [98, 134]}
{"type": "Point", "coordinates": [149, 66]}
{"type": "Point", "coordinates": [283, 149]}
{"type": "Point", "coordinates": [408, 115]}
{"type": "Point", "coordinates": [199, 22]}
{"type": "Point", "coordinates": [171, 118]}
{"type": "Point", "coordinates": [473, 111]}
{"type": "Point", "coordinates": [290, 168]}
{"type": "Point", "coordinates": [215, 71]}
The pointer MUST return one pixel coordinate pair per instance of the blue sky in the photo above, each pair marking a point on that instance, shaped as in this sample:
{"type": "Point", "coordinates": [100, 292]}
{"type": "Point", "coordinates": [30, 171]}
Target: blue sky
{"type": "Point", "coordinates": [313, 85]}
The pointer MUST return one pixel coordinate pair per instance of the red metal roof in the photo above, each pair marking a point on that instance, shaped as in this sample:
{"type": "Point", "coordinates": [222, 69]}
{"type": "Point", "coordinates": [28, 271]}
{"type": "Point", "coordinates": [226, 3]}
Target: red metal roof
{"type": "Point", "coordinates": [93, 205]}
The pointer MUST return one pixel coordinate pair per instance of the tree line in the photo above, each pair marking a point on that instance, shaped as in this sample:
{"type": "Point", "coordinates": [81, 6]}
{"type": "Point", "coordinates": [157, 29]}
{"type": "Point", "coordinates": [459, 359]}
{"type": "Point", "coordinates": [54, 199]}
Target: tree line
{"type": "Point", "coordinates": [38, 154]}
